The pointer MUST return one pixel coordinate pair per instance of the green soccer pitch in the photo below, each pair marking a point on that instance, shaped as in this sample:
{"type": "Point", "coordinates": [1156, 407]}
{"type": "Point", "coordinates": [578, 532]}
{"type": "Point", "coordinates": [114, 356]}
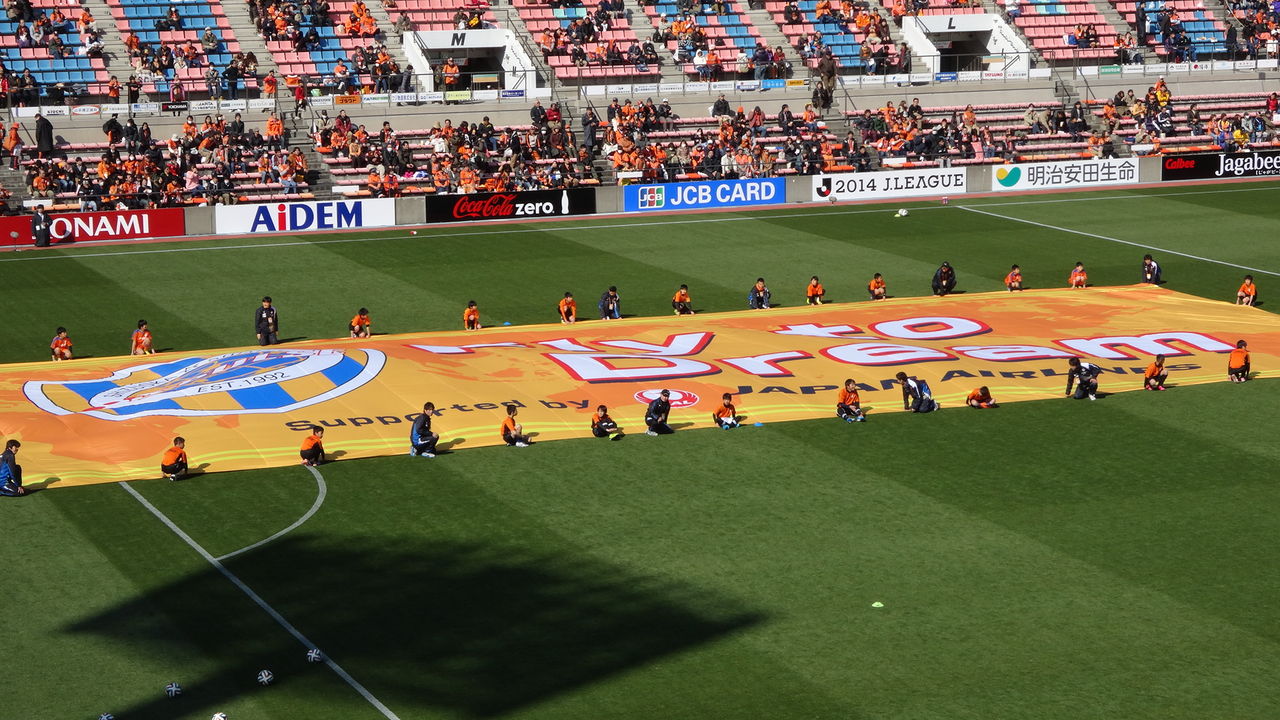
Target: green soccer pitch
{"type": "Point", "coordinates": [1047, 560]}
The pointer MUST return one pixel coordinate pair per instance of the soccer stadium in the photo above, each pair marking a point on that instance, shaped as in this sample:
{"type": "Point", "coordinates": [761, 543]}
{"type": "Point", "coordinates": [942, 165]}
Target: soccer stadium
{"type": "Point", "coordinates": [733, 359]}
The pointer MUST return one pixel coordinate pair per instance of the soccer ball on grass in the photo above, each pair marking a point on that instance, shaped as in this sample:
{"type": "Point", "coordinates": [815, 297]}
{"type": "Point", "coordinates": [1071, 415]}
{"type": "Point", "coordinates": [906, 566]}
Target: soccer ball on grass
{"type": "Point", "coordinates": [903, 212]}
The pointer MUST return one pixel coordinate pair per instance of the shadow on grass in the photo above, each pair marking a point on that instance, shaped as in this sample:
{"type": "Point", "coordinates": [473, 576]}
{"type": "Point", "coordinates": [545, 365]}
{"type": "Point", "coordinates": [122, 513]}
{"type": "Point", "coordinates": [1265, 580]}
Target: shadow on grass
{"type": "Point", "coordinates": [478, 630]}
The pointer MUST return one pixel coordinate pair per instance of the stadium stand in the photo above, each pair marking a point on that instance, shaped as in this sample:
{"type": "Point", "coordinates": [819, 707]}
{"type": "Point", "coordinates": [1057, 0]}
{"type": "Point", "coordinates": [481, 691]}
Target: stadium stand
{"type": "Point", "coordinates": [1158, 123]}
{"type": "Point", "coordinates": [585, 47]}
{"type": "Point", "coordinates": [720, 30]}
{"type": "Point", "coordinates": [1068, 30]}
{"type": "Point", "coordinates": [168, 44]}
{"type": "Point", "coordinates": [444, 14]}
{"type": "Point", "coordinates": [1177, 30]}
{"type": "Point", "coordinates": [856, 37]}
{"type": "Point", "coordinates": [50, 49]}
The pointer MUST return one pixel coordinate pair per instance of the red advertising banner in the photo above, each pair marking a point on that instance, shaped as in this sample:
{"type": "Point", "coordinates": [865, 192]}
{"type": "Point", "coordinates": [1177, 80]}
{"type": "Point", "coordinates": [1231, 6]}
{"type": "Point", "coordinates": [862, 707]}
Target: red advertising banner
{"type": "Point", "coordinates": [112, 225]}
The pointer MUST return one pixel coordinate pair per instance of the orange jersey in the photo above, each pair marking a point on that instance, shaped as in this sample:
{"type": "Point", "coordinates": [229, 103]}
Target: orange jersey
{"type": "Point", "coordinates": [848, 397]}
{"type": "Point", "coordinates": [1078, 277]}
{"type": "Point", "coordinates": [596, 420]}
{"type": "Point", "coordinates": [681, 296]}
{"type": "Point", "coordinates": [976, 394]}
{"type": "Point", "coordinates": [1248, 289]}
{"type": "Point", "coordinates": [508, 425]}
{"type": "Point", "coordinates": [141, 339]}
{"type": "Point", "coordinates": [1153, 370]}
{"type": "Point", "coordinates": [1239, 358]}
{"type": "Point", "coordinates": [812, 290]}
{"type": "Point", "coordinates": [60, 343]}
{"type": "Point", "coordinates": [361, 321]}
{"type": "Point", "coordinates": [1013, 278]}
{"type": "Point", "coordinates": [173, 455]}
{"type": "Point", "coordinates": [312, 441]}
{"type": "Point", "coordinates": [875, 285]}
{"type": "Point", "coordinates": [726, 411]}
{"type": "Point", "coordinates": [568, 306]}
{"type": "Point", "coordinates": [471, 315]}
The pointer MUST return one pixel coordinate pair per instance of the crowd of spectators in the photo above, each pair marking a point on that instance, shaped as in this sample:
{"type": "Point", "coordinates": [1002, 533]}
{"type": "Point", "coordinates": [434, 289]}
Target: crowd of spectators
{"type": "Point", "coordinates": [1258, 34]}
{"type": "Point", "coordinates": [1155, 120]}
{"type": "Point", "coordinates": [583, 40]}
{"type": "Point", "coordinates": [48, 29]}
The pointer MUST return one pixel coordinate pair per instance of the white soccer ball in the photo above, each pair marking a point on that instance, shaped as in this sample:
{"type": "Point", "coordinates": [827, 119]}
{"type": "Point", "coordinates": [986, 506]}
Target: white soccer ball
{"type": "Point", "coordinates": [903, 212]}
{"type": "Point", "coordinates": [313, 655]}
{"type": "Point", "coordinates": [106, 716]}
{"type": "Point", "coordinates": [265, 677]}
{"type": "Point", "coordinates": [219, 716]}
{"type": "Point", "coordinates": [173, 689]}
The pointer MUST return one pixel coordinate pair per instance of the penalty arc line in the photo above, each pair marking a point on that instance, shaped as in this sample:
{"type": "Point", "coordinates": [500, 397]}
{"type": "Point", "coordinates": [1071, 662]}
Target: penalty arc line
{"type": "Point", "coordinates": [257, 599]}
{"type": "Point", "coordinates": [1115, 240]}
{"type": "Point", "coordinates": [321, 491]}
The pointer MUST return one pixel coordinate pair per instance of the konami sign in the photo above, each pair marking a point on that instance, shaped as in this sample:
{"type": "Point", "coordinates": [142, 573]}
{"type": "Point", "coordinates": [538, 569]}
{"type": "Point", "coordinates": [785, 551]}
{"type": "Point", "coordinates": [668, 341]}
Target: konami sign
{"type": "Point", "coordinates": [113, 225]}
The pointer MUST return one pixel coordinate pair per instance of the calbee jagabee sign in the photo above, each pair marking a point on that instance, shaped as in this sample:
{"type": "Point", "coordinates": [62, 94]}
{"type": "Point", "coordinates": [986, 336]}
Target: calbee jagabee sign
{"type": "Point", "coordinates": [244, 408]}
{"type": "Point", "coordinates": [1212, 166]}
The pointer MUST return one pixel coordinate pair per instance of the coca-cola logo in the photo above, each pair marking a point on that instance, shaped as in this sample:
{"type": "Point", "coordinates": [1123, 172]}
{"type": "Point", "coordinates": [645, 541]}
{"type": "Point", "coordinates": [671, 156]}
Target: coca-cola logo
{"type": "Point", "coordinates": [1175, 163]}
{"type": "Point", "coordinates": [494, 206]}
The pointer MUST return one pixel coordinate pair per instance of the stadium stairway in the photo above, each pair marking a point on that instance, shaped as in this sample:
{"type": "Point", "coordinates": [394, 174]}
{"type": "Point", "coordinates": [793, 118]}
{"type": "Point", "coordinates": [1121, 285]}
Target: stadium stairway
{"type": "Point", "coordinates": [644, 29]}
{"type": "Point", "coordinates": [773, 37]}
{"type": "Point", "coordinates": [996, 7]}
{"type": "Point", "coordinates": [247, 34]}
{"type": "Point", "coordinates": [113, 43]}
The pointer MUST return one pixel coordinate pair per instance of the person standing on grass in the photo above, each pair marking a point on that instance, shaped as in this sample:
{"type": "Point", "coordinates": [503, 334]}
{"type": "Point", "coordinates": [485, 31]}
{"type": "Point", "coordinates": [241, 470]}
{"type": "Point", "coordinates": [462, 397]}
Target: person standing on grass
{"type": "Point", "coordinates": [655, 416]}
{"type": "Point", "coordinates": [40, 227]}
{"type": "Point", "coordinates": [512, 431]}
{"type": "Point", "coordinates": [471, 316]}
{"type": "Point", "coordinates": [610, 304]}
{"type": "Point", "coordinates": [944, 280]}
{"type": "Point", "coordinates": [174, 462]}
{"type": "Point", "coordinates": [1155, 375]}
{"type": "Point", "coordinates": [1079, 279]}
{"type": "Point", "coordinates": [140, 343]}
{"type": "Point", "coordinates": [726, 416]}
{"type": "Point", "coordinates": [758, 296]}
{"type": "Point", "coordinates": [1150, 270]}
{"type": "Point", "coordinates": [60, 346]}
{"type": "Point", "coordinates": [1238, 363]}
{"type": "Point", "coordinates": [11, 471]}
{"type": "Point", "coordinates": [1084, 377]}
{"type": "Point", "coordinates": [813, 292]}
{"type": "Point", "coordinates": [422, 440]}
{"type": "Point", "coordinates": [568, 308]}
{"type": "Point", "coordinates": [849, 404]}
{"type": "Point", "coordinates": [602, 425]}
{"type": "Point", "coordinates": [360, 324]}
{"type": "Point", "coordinates": [1248, 292]}
{"type": "Point", "coordinates": [681, 302]}
{"type": "Point", "coordinates": [877, 288]}
{"type": "Point", "coordinates": [916, 395]}
{"type": "Point", "coordinates": [1013, 281]}
{"type": "Point", "coordinates": [981, 398]}
{"type": "Point", "coordinates": [313, 447]}
{"type": "Point", "coordinates": [266, 323]}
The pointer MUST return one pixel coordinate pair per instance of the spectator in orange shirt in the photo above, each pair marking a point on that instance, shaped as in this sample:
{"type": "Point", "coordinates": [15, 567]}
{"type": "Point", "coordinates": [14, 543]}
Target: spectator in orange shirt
{"type": "Point", "coordinates": [849, 404]}
{"type": "Point", "coordinates": [603, 426]}
{"type": "Point", "coordinates": [877, 288]}
{"type": "Point", "coordinates": [512, 431]}
{"type": "Point", "coordinates": [1248, 292]}
{"type": "Point", "coordinates": [60, 347]}
{"type": "Point", "coordinates": [980, 398]}
{"type": "Point", "coordinates": [568, 309]}
{"type": "Point", "coordinates": [141, 341]}
{"type": "Point", "coordinates": [1238, 363]}
{"type": "Point", "coordinates": [313, 447]}
{"type": "Point", "coordinates": [270, 84]}
{"type": "Point", "coordinates": [174, 463]}
{"type": "Point", "coordinates": [1013, 281]}
{"type": "Point", "coordinates": [360, 324]}
{"type": "Point", "coordinates": [681, 301]}
{"type": "Point", "coordinates": [274, 133]}
{"type": "Point", "coordinates": [813, 292]}
{"type": "Point", "coordinates": [1079, 278]}
{"type": "Point", "coordinates": [471, 316]}
{"type": "Point", "coordinates": [726, 416]}
{"type": "Point", "coordinates": [1155, 375]}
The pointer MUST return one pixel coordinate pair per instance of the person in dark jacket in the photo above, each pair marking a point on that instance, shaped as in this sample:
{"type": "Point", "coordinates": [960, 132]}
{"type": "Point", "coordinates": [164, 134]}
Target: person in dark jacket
{"type": "Point", "coordinates": [422, 441]}
{"type": "Point", "coordinates": [758, 297]}
{"type": "Point", "coordinates": [610, 304]}
{"type": "Point", "coordinates": [40, 223]}
{"type": "Point", "coordinates": [1084, 376]}
{"type": "Point", "coordinates": [944, 279]}
{"type": "Point", "coordinates": [655, 416]}
{"type": "Point", "coordinates": [266, 323]}
{"type": "Point", "coordinates": [11, 471]}
{"type": "Point", "coordinates": [916, 395]}
{"type": "Point", "coordinates": [44, 136]}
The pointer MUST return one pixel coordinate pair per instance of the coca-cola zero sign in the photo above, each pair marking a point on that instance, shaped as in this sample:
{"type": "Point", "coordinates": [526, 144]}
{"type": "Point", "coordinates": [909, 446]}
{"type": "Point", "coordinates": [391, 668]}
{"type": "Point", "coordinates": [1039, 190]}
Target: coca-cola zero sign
{"type": "Point", "coordinates": [510, 206]}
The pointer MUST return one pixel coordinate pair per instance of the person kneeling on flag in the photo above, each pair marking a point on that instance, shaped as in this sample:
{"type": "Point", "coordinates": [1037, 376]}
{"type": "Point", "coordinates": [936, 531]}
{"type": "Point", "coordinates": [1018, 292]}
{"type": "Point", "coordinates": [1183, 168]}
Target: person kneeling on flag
{"type": "Point", "coordinates": [11, 471]}
{"type": "Point", "coordinates": [848, 404]}
{"type": "Point", "coordinates": [981, 398]}
{"type": "Point", "coordinates": [655, 416]}
{"type": "Point", "coordinates": [916, 395]}
{"type": "Point", "coordinates": [602, 425]}
{"type": "Point", "coordinates": [1238, 363]}
{"type": "Point", "coordinates": [726, 416]}
{"type": "Point", "coordinates": [1084, 377]}
{"type": "Point", "coordinates": [174, 462]}
{"type": "Point", "coordinates": [313, 447]}
{"type": "Point", "coordinates": [422, 441]}
{"type": "Point", "coordinates": [1154, 377]}
{"type": "Point", "coordinates": [513, 432]}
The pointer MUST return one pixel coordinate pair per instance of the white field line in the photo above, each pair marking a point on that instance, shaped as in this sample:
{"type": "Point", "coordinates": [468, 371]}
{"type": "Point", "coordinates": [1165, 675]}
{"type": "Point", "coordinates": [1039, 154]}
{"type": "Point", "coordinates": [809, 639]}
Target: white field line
{"type": "Point", "coordinates": [257, 599]}
{"type": "Point", "coordinates": [1115, 240]}
{"type": "Point", "coordinates": [321, 491]}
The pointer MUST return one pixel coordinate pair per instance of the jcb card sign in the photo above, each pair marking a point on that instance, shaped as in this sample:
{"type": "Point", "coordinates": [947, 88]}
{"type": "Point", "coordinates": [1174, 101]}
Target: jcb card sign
{"type": "Point", "coordinates": [1065, 174]}
{"type": "Point", "coordinates": [279, 217]}
{"type": "Point", "coordinates": [104, 419]}
{"type": "Point", "coordinates": [889, 184]}
{"type": "Point", "coordinates": [707, 194]}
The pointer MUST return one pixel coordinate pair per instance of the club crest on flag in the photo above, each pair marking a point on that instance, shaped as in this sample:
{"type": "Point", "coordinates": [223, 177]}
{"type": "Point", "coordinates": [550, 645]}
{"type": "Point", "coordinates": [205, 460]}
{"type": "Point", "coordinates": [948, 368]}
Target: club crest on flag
{"type": "Point", "coordinates": [237, 383]}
